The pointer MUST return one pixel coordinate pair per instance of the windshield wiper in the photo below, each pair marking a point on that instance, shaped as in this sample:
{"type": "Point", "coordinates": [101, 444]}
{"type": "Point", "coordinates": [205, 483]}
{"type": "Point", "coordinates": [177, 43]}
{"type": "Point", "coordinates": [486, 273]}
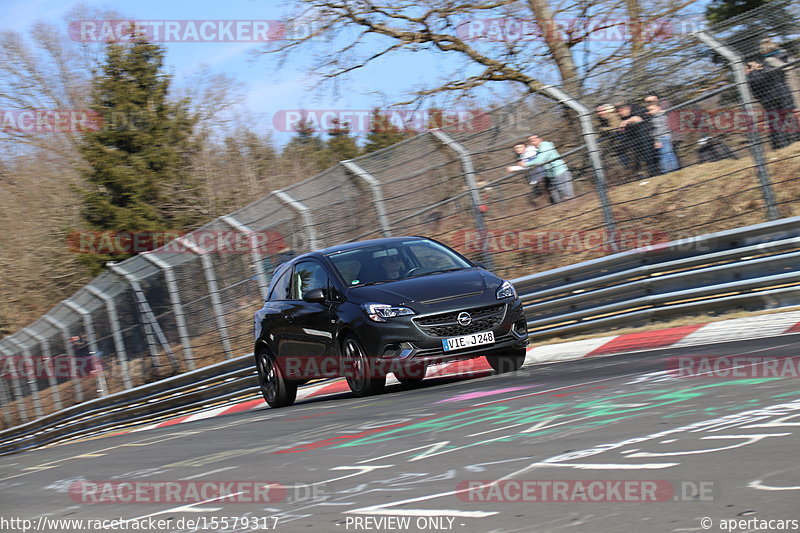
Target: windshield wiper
{"type": "Point", "coordinates": [440, 271]}
{"type": "Point", "coordinates": [367, 284]}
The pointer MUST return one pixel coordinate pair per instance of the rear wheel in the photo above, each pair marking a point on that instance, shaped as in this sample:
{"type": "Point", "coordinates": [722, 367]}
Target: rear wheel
{"type": "Point", "coordinates": [510, 361]}
{"type": "Point", "coordinates": [276, 391]}
{"type": "Point", "coordinates": [411, 374]}
{"type": "Point", "coordinates": [362, 376]}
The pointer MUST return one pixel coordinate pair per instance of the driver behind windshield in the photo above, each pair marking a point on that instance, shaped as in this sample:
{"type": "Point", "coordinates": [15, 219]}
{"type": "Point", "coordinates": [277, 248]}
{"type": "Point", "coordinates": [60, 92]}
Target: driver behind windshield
{"type": "Point", "coordinates": [393, 266]}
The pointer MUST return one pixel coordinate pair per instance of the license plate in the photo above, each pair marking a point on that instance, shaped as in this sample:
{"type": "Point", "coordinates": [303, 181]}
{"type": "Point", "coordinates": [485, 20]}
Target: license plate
{"type": "Point", "coordinates": [467, 341]}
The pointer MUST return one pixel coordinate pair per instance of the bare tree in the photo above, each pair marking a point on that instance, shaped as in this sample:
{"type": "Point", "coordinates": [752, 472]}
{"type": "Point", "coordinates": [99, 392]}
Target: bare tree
{"type": "Point", "coordinates": [48, 73]}
{"type": "Point", "coordinates": [528, 42]}
{"type": "Point", "coordinates": [215, 100]}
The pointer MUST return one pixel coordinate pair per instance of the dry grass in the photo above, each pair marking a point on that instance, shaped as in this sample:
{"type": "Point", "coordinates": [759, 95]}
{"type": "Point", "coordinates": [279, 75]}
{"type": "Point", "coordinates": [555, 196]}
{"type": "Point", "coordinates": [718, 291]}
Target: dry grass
{"type": "Point", "coordinates": [696, 200]}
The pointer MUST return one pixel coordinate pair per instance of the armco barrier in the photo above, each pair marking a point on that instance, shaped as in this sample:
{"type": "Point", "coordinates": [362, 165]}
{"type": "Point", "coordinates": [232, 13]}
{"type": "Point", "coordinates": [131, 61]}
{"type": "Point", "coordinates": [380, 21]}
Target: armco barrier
{"type": "Point", "coordinates": [717, 271]}
{"type": "Point", "coordinates": [179, 393]}
{"type": "Point", "coordinates": [751, 266]}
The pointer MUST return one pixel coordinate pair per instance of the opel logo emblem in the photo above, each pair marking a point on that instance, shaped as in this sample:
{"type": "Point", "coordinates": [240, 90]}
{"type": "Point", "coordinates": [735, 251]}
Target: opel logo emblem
{"type": "Point", "coordinates": [464, 319]}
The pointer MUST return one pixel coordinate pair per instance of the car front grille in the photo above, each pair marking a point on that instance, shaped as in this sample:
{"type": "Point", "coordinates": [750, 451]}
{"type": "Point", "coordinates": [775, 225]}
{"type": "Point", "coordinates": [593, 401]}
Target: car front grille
{"type": "Point", "coordinates": [446, 324]}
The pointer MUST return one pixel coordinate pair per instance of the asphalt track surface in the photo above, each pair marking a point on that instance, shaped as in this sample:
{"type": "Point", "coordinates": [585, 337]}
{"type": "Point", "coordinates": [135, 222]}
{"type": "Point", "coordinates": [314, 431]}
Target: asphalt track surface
{"type": "Point", "coordinates": [674, 454]}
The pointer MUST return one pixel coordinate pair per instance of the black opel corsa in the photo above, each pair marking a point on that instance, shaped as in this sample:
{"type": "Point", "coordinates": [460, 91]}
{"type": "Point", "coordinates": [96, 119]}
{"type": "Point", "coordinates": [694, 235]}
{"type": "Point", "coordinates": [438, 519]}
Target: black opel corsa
{"type": "Point", "coordinates": [365, 309]}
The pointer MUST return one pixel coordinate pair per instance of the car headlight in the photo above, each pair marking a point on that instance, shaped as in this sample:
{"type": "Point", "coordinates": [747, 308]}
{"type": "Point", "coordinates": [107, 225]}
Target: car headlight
{"type": "Point", "coordinates": [506, 290]}
{"type": "Point", "coordinates": [382, 312]}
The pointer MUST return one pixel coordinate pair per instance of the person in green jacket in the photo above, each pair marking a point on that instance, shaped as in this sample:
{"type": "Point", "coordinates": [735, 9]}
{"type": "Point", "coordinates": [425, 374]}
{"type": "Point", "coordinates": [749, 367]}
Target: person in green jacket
{"type": "Point", "coordinates": [554, 168]}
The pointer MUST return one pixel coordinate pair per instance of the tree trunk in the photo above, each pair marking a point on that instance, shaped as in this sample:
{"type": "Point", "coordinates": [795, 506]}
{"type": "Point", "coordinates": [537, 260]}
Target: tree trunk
{"type": "Point", "coordinates": [558, 48]}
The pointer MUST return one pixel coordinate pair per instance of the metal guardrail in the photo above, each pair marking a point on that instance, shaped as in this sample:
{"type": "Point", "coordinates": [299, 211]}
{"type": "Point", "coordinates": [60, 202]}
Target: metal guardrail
{"type": "Point", "coordinates": [724, 270]}
{"type": "Point", "coordinates": [214, 383]}
{"type": "Point", "coordinates": [754, 265]}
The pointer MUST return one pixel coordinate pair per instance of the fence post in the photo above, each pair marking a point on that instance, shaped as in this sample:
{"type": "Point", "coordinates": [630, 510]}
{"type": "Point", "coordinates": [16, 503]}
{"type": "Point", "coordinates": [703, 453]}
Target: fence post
{"type": "Point", "coordinates": [590, 137]}
{"type": "Point", "coordinates": [5, 397]}
{"type": "Point", "coordinates": [16, 387]}
{"type": "Point", "coordinates": [305, 213]}
{"type": "Point", "coordinates": [76, 384]}
{"type": "Point", "coordinates": [51, 377]}
{"type": "Point", "coordinates": [93, 349]}
{"type": "Point", "coordinates": [116, 332]}
{"type": "Point", "coordinates": [152, 327]}
{"type": "Point", "coordinates": [37, 400]}
{"type": "Point", "coordinates": [213, 292]}
{"type": "Point", "coordinates": [377, 194]}
{"type": "Point", "coordinates": [469, 176]}
{"type": "Point", "coordinates": [177, 306]}
{"type": "Point", "coordinates": [258, 259]}
{"type": "Point", "coordinates": [736, 63]}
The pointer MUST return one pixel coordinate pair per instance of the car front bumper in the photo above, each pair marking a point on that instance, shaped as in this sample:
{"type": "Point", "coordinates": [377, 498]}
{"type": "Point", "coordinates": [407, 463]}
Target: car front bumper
{"type": "Point", "coordinates": [402, 341]}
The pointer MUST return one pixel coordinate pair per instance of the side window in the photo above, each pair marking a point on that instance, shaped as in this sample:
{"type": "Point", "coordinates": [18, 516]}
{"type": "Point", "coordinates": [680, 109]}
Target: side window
{"type": "Point", "coordinates": [280, 291]}
{"type": "Point", "coordinates": [308, 275]}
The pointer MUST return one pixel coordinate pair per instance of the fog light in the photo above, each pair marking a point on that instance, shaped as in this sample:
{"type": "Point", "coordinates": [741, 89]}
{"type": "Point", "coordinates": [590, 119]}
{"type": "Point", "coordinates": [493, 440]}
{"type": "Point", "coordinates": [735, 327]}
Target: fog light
{"type": "Point", "coordinates": [391, 350]}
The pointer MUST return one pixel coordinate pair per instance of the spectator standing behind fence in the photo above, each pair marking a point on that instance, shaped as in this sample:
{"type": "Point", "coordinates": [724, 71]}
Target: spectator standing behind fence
{"type": "Point", "coordinates": [662, 138]}
{"type": "Point", "coordinates": [776, 57]}
{"type": "Point", "coordinates": [677, 136]}
{"type": "Point", "coordinates": [555, 170]}
{"type": "Point", "coordinates": [638, 137]}
{"type": "Point", "coordinates": [770, 89]}
{"type": "Point", "coordinates": [536, 174]}
{"type": "Point", "coordinates": [523, 153]}
{"type": "Point", "coordinates": [610, 135]}
{"type": "Point", "coordinates": [655, 99]}
{"type": "Point", "coordinates": [536, 177]}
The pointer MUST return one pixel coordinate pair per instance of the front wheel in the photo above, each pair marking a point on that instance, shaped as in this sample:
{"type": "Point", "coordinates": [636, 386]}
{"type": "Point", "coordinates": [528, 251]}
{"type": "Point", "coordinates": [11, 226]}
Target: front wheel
{"type": "Point", "coordinates": [274, 387]}
{"type": "Point", "coordinates": [362, 376]}
{"type": "Point", "coordinates": [507, 361]}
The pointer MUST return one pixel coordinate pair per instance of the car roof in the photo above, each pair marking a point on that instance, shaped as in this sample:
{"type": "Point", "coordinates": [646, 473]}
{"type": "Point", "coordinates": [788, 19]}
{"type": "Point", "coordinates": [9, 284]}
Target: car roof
{"type": "Point", "coordinates": [358, 244]}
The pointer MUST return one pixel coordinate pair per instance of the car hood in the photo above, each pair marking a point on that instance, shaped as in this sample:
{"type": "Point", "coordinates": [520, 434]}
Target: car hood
{"type": "Point", "coordinates": [430, 290]}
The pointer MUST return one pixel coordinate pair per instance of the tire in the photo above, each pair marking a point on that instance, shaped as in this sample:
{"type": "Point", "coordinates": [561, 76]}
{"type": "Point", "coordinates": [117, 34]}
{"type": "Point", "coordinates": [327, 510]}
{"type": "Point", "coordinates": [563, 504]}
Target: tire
{"type": "Point", "coordinates": [276, 390]}
{"type": "Point", "coordinates": [506, 361]}
{"type": "Point", "coordinates": [362, 377]}
{"type": "Point", "coordinates": [413, 375]}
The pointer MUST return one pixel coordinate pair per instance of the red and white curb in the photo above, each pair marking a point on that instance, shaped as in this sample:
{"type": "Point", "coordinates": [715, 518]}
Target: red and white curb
{"type": "Point", "coordinates": [724, 331]}
{"type": "Point", "coordinates": [736, 329]}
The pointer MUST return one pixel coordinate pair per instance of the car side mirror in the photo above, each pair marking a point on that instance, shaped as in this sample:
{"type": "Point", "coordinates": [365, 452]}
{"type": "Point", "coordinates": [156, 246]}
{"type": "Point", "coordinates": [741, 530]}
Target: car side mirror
{"type": "Point", "coordinates": [314, 296]}
{"type": "Point", "coordinates": [333, 295]}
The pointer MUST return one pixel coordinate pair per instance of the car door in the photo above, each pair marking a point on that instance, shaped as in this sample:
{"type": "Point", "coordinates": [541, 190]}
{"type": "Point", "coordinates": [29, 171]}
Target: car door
{"type": "Point", "coordinates": [270, 323]}
{"type": "Point", "coordinates": [308, 345]}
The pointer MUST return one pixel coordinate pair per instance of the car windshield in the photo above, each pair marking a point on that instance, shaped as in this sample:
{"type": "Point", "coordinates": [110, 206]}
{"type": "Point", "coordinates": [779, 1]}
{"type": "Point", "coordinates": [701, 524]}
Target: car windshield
{"type": "Point", "coordinates": [380, 263]}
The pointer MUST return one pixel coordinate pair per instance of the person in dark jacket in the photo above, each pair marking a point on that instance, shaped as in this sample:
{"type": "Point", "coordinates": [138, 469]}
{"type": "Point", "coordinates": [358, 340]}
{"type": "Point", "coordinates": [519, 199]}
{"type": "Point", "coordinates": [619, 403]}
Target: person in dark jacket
{"type": "Point", "coordinates": [611, 138]}
{"type": "Point", "coordinates": [769, 87]}
{"type": "Point", "coordinates": [774, 56]}
{"type": "Point", "coordinates": [638, 137]}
